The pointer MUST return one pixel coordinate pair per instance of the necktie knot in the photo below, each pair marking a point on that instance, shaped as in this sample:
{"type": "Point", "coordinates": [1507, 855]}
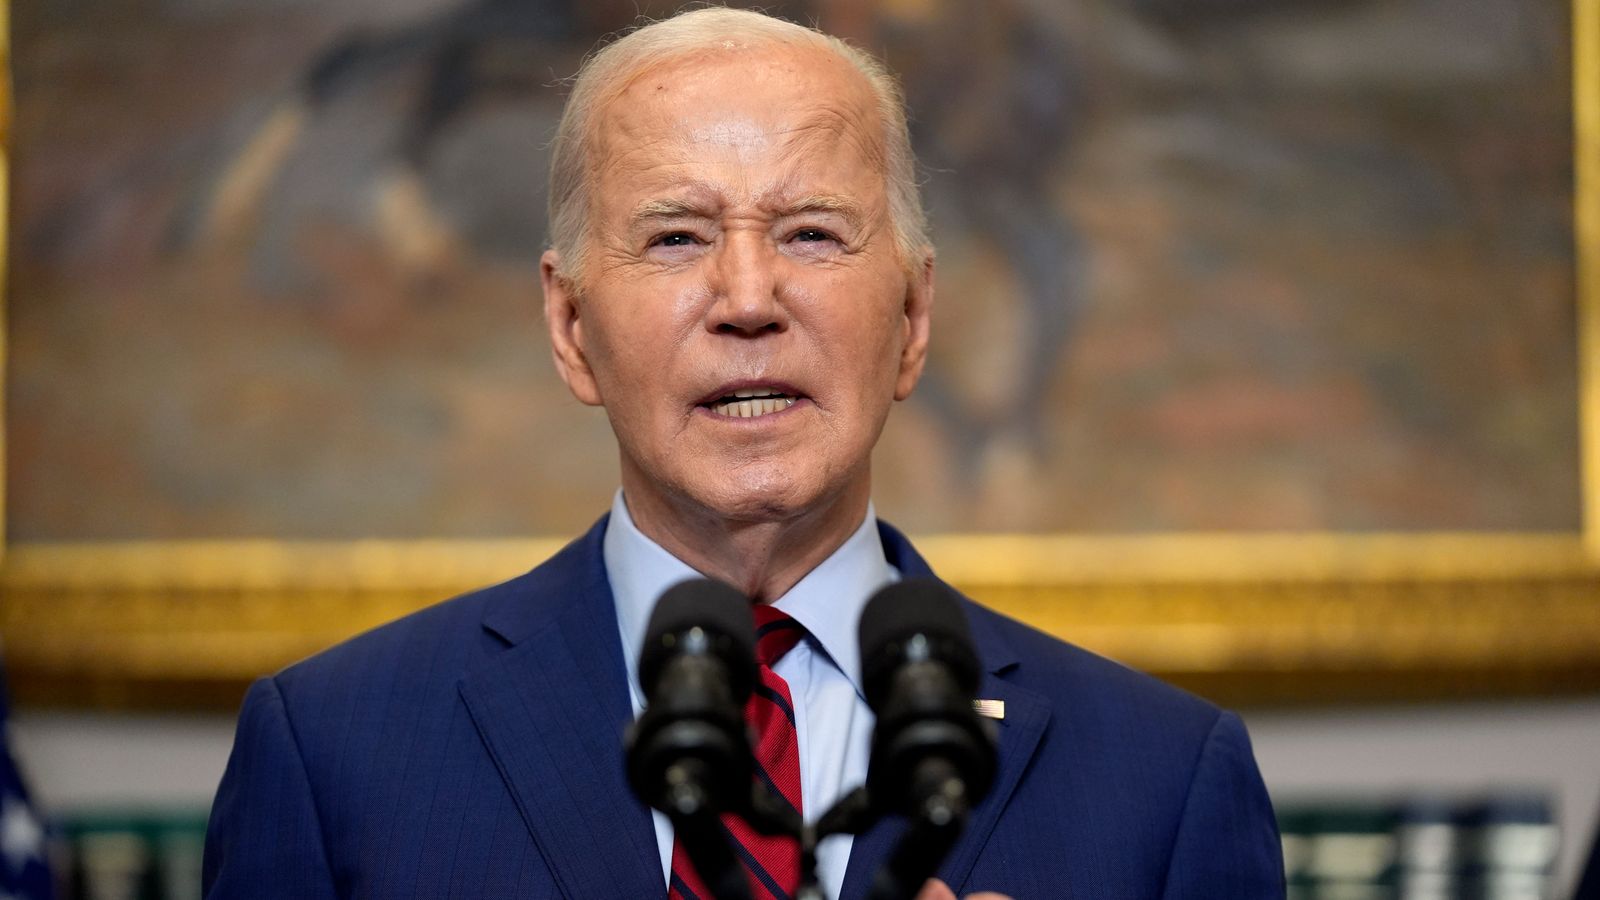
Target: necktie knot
{"type": "Point", "coordinates": [776, 633]}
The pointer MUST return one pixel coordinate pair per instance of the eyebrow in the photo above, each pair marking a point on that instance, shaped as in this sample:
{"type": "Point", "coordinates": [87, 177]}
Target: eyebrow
{"type": "Point", "coordinates": [666, 208]}
{"type": "Point", "coordinates": [844, 207]}
{"type": "Point", "coordinates": [675, 208]}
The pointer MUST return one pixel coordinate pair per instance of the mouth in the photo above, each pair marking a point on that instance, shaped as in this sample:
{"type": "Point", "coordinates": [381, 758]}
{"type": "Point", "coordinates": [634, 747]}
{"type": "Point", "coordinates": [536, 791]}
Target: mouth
{"type": "Point", "coordinates": [751, 402]}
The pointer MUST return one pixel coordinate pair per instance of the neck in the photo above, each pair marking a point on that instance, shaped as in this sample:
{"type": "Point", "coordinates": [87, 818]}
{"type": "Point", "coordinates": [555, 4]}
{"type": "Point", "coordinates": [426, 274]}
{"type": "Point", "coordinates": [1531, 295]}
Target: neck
{"type": "Point", "coordinates": [762, 557]}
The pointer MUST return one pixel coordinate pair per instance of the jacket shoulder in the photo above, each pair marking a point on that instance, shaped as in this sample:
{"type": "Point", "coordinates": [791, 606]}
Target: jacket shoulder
{"type": "Point", "coordinates": [1084, 685]}
{"type": "Point", "coordinates": [450, 633]}
{"type": "Point", "coordinates": [430, 649]}
{"type": "Point", "coordinates": [1133, 783]}
{"type": "Point", "coordinates": [1082, 688]}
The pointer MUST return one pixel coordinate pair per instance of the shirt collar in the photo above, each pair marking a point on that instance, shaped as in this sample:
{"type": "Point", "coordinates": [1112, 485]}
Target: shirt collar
{"type": "Point", "coordinates": [827, 601]}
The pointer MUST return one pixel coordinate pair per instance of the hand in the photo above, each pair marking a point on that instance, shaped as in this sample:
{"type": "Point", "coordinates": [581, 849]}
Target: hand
{"type": "Point", "coordinates": [938, 890]}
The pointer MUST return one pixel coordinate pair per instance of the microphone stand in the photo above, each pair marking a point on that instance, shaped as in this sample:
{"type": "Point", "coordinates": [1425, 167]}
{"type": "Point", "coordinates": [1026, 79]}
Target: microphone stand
{"type": "Point", "coordinates": [706, 843]}
{"type": "Point", "coordinates": [710, 848]}
{"type": "Point", "coordinates": [935, 826]}
{"type": "Point", "coordinates": [852, 814]}
{"type": "Point", "coordinates": [697, 825]}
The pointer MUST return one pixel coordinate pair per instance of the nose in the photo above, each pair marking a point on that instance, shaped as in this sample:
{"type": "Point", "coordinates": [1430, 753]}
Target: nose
{"type": "Point", "coordinates": [746, 285]}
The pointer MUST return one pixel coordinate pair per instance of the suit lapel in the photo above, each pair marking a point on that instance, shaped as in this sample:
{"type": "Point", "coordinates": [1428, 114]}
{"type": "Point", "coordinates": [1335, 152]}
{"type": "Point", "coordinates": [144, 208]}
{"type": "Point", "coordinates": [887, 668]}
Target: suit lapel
{"type": "Point", "coordinates": [551, 709]}
{"type": "Point", "coordinates": [1019, 732]}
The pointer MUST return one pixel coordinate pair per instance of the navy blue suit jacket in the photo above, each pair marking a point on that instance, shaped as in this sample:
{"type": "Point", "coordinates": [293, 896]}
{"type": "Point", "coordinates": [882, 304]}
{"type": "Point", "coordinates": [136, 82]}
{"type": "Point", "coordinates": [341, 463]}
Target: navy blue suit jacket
{"type": "Point", "coordinates": [473, 750]}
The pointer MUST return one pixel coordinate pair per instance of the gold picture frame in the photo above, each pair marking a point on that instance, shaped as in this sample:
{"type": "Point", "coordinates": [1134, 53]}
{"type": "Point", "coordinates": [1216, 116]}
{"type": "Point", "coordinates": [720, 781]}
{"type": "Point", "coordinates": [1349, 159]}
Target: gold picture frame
{"type": "Point", "coordinates": [1259, 618]}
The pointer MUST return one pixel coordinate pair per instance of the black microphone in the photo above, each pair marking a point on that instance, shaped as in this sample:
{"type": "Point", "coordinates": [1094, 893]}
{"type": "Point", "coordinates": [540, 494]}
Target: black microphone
{"type": "Point", "coordinates": [688, 754]}
{"type": "Point", "coordinates": [933, 757]}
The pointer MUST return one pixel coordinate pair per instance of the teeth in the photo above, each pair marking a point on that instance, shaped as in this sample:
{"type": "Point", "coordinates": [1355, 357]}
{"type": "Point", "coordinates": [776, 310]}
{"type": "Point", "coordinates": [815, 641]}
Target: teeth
{"type": "Point", "coordinates": [746, 409]}
{"type": "Point", "coordinates": [756, 392]}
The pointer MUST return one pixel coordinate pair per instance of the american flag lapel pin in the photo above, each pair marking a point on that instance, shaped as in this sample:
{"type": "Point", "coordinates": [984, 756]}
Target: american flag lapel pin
{"type": "Point", "coordinates": [991, 709]}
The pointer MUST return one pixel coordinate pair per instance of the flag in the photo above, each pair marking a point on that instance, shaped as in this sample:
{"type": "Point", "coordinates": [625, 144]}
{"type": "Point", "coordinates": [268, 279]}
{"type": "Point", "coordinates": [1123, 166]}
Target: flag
{"type": "Point", "coordinates": [24, 871]}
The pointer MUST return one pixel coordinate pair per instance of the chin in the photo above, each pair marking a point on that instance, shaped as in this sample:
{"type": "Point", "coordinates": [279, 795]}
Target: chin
{"type": "Point", "coordinates": [762, 496]}
{"type": "Point", "coordinates": [763, 505]}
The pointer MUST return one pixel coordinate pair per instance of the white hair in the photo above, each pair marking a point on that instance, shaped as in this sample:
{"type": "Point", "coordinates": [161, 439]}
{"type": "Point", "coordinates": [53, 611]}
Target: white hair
{"type": "Point", "coordinates": [608, 71]}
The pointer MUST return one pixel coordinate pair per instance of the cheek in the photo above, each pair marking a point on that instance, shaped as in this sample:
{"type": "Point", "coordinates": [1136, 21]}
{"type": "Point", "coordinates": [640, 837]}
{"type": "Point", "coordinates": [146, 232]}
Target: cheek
{"type": "Point", "coordinates": [875, 335]}
{"type": "Point", "coordinates": [641, 353]}
{"type": "Point", "coordinates": [632, 339]}
{"type": "Point", "coordinates": [617, 360]}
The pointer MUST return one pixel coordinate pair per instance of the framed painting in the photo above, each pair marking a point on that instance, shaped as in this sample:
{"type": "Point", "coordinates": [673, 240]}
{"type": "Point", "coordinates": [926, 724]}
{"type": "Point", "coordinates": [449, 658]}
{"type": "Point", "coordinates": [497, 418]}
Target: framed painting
{"type": "Point", "coordinates": [1264, 359]}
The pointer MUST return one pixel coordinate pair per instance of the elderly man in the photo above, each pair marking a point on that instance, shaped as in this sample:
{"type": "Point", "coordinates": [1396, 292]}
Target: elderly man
{"type": "Point", "coordinates": [740, 278]}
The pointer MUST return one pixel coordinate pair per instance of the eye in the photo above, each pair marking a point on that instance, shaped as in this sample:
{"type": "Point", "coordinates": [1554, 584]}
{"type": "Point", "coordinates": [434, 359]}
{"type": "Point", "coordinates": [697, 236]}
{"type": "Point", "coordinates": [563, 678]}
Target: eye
{"type": "Point", "coordinates": [675, 239]}
{"type": "Point", "coordinates": [812, 235]}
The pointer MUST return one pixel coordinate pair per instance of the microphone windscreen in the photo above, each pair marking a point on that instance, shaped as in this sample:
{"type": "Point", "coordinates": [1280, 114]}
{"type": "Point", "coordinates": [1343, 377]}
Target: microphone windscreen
{"type": "Point", "coordinates": [721, 612]}
{"type": "Point", "coordinates": [903, 610]}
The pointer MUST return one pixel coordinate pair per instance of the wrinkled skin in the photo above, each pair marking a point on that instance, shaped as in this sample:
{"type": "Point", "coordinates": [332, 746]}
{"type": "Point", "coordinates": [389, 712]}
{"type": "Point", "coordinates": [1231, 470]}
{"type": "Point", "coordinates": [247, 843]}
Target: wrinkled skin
{"type": "Point", "coordinates": [741, 235]}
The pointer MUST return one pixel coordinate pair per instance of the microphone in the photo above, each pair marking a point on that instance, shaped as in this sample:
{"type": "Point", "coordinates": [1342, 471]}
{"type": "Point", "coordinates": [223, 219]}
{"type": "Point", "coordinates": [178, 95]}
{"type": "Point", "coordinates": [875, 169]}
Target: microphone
{"type": "Point", "coordinates": [688, 754]}
{"type": "Point", "coordinates": [933, 757]}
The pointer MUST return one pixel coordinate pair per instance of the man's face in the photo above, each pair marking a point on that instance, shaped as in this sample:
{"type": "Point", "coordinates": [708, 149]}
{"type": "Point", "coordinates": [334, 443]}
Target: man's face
{"type": "Point", "coordinates": [744, 314]}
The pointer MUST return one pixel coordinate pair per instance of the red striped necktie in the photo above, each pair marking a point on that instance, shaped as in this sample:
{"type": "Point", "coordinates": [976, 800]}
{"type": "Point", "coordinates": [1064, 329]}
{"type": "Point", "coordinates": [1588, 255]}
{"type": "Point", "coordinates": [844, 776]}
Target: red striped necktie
{"type": "Point", "coordinates": [771, 862]}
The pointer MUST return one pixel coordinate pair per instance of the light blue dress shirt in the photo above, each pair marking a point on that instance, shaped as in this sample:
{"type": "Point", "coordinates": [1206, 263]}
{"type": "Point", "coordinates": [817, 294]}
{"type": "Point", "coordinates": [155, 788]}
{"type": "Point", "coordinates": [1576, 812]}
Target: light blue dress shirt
{"type": "Point", "coordinates": [833, 722]}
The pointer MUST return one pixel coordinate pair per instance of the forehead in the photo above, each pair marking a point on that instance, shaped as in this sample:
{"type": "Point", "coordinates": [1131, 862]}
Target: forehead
{"type": "Point", "coordinates": [748, 113]}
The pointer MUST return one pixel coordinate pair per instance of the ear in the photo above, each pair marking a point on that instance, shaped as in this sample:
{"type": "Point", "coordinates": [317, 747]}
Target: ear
{"type": "Point", "coordinates": [566, 330]}
{"type": "Point", "coordinates": [918, 313]}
